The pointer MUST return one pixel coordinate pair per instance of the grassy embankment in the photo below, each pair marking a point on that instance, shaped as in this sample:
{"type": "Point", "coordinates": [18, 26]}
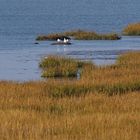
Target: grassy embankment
{"type": "Point", "coordinates": [74, 109]}
{"type": "Point", "coordinates": [132, 29]}
{"type": "Point", "coordinates": [80, 35]}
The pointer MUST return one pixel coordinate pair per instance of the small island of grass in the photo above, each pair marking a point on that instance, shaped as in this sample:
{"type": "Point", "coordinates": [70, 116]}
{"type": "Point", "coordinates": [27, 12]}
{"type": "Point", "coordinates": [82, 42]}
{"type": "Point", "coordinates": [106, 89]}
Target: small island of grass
{"type": "Point", "coordinates": [132, 30]}
{"type": "Point", "coordinates": [79, 35]}
{"type": "Point", "coordinates": [57, 66]}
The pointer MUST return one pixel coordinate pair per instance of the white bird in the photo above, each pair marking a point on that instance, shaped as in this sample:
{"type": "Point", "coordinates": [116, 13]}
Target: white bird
{"type": "Point", "coordinates": [66, 40]}
{"type": "Point", "coordinates": [58, 40]}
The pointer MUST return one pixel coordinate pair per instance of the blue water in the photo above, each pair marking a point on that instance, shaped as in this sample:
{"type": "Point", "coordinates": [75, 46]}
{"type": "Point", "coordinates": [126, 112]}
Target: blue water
{"type": "Point", "coordinates": [21, 21]}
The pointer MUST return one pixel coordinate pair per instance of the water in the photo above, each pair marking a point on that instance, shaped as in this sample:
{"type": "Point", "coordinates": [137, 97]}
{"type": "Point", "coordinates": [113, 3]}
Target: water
{"type": "Point", "coordinates": [21, 21]}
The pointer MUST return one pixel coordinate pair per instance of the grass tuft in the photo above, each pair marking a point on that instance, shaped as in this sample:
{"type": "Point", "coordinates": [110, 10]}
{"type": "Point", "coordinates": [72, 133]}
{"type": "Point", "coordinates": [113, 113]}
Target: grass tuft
{"type": "Point", "coordinates": [80, 35]}
{"type": "Point", "coordinates": [50, 37]}
{"type": "Point", "coordinates": [86, 35]}
{"type": "Point", "coordinates": [132, 29]}
{"type": "Point", "coordinates": [56, 66]}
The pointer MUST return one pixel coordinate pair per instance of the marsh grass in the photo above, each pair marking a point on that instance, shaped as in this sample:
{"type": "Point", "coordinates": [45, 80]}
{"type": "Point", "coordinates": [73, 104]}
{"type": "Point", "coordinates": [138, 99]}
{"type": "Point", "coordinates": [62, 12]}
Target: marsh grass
{"type": "Point", "coordinates": [88, 35]}
{"type": "Point", "coordinates": [132, 29]}
{"type": "Point", "coordinates": [26, 112]}
{"type": "Point", "coordinates": [80, 35]}
{"type": "Point", "coordinates": [50, 37]}
{"type": "Point", "coordinates": [120, 78]}
{"type": "Point", "coordinates": [56, 66]}
{"type": "Point", "coordinates": [75, 109]}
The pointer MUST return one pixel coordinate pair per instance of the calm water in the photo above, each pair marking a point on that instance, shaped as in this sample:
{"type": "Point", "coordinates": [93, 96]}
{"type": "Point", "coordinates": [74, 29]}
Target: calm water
{"type": "Point", "coordinates": [21, 21]}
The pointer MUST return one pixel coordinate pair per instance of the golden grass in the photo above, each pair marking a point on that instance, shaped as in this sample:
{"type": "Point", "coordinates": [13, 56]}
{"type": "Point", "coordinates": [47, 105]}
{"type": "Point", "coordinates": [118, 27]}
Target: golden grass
{"type": "Point", "coordinates": [132, 29]}
{"type": "Point", "coordinates": [80, 35]}
{"type": "Point", "coordinates": [90, 35]}
{"type": "Point", "coordinates": [31, 115]}
{"type": "Point", "coordinates": [57, 66]}
{"type": "Point", "coordinates": [31, 111]}
{"type": "Point", "coordinates": [120, 78]}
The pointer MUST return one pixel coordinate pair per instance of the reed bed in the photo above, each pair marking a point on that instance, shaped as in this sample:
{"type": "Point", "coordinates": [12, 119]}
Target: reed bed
{"type": "Point", "coordinates": [50, 37]}
{"type": "Point", "coordinates": [89, 35]}
{"type": "Point", "coordinates": [132, 29]}
{"type": "Point", "coordinates": [120, 78]}
{"type": "Point", "coordinates": [75, 109]}
{"type": "Point", "coordinates": [57, 66]}
{"type": "Point", "coordinates": [28, 113]}
{"type": "Point", "coordinates": [80, 35]}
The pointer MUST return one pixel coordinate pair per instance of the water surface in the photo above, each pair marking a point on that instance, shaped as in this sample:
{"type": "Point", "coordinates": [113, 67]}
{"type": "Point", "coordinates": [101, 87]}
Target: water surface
{"type": "Point", "coordinates": [21, 21]}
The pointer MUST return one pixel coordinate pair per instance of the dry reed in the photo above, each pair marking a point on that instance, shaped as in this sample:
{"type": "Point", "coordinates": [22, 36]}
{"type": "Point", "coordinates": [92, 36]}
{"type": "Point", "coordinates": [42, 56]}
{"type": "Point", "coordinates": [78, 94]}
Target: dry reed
{"type": "Point", "coordinates": [132, 29]}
